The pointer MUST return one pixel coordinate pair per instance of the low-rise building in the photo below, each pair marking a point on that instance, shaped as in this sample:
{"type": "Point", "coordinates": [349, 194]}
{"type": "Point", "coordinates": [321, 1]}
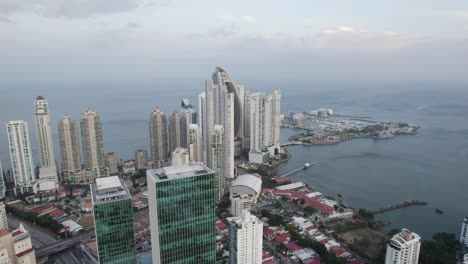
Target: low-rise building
{"type": "Point", "coordinates": [16, 247]}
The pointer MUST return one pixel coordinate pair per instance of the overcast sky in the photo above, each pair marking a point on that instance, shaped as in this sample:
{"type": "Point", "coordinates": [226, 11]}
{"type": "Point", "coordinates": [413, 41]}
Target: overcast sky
{"type": "Point", "coordinates": [295, 39]}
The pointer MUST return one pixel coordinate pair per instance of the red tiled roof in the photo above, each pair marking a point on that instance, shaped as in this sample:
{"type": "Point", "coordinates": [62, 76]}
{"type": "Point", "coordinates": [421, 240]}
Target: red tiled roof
{"type": "Point", "coordinates": [269, 262]}
{"type": "Point", "coordinates": [282, 179]}
{"type": "Point", "coordinates": [16, 232]}
{"type": "Point", "coordinates": [267, 231]}
{"type": "Point", "coordinates": [312, 260]}
{"type": "Point", "coordinates": [4, 232]}
{"type": "Point", "coordinates": [354, 261]}
{"type": "Point", "coordinates": [266, 254]}
{"type": "Point", "coordinates": [293, 247]}
{"type": "Point", "coordinates": [280, 239]}
{"type": "Point", "coordinates": [43, 208]}
{"type": "Point", "coordinates": [309, 201]}
{"type": "Point", "coordinates": [22, 253]}
{"type": "Point", "coordinates": [56, 212]}
{"type": "Point", "coordinates": [325, 240]}
{"type": "Point", "coordinates": [312, 227]}
{"type": "Point", "coordinates": [221, 225]}
{"type": "Point", "coordinates": [338, 251]}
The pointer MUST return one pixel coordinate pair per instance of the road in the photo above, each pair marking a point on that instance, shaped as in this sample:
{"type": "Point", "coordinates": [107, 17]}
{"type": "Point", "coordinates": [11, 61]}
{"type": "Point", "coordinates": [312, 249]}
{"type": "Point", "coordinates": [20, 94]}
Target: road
{"type": "Point", "coordinates": [40, 239]}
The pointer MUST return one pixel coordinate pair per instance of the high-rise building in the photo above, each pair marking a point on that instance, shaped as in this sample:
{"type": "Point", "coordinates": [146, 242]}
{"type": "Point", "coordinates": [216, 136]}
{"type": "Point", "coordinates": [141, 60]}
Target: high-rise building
{"type": "Point", "coordinates": [48, 178]}
{"type": "Point", "coordinates": [264, 114]}
{"type": "Point", "coordinates": [218, 160]}
{"type": "Point", "coordinates": [112, 163]}
{"type": "Point", "coordinates": [180, 156]}
{"type": "Point", "coordinates": [246, 239]}
{"type": "Point", "coordinates": [244, 193]}
{"type": "Point", "coordinates": [3, 217]}
{"type": "Point", "coordinates": [2, 183]}
{"type": "Point", "coordinates": [202, 124]}
{"type": "Point", "coordinates": [44, 133]}
{"type": "Point", "coordinates": [195, 144]}
{"type": "Point", "coordinates": [141, 159]}
{"type": "Point", "coordinates": [158, 135]}
{"type": "Point", "coordinates": [223, 106]}
{"type": "Point", "coordinates": [177, 131]}
{"type": "Point", "coordinates": [403, 248]}
{"type": "Point", "coordinates": [182, 214]}
{"type": "Point", "coordinates": [21, 156]}
{"type": "Point", "coordinates": [16, 247]}
{"type": "Point", "coordinates": [93, 148]}
{"type": "Point", "coordinates": [189, 112]}
{"type": "Point", "coordinates": [464, 232]}
{"type": "Point", "coordinates": [69, 148]}
{"type": "Point", "coordinates": [113, 220]}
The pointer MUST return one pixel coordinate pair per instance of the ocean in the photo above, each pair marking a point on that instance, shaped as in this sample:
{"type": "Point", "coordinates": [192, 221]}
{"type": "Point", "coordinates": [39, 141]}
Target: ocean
{"type": "Point", "coordinates": [430, 166]}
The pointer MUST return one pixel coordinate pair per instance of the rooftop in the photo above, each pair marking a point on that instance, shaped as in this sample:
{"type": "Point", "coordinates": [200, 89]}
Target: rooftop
{"type": "Point", "coordinates": [248, 180]}
{"type": "Point", "coordinates": [108, 188]}
{"type": "Point", "coordinates": [178, 172]}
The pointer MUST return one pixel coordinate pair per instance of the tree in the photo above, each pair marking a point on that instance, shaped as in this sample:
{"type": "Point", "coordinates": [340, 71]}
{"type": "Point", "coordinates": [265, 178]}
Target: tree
{"type": "Point", "coordinates": [442, 249]}
{"type": "Point", "coordinates": [366, 214]}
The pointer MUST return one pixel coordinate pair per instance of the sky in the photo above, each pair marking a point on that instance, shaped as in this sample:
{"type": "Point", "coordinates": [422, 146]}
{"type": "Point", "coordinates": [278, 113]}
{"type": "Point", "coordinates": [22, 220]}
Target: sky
{"type": "Point", "coordinates": [347, 40]}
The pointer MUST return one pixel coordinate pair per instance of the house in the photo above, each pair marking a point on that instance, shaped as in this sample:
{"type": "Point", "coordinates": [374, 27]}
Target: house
{"type": "Point", "coordinates": [44, 209]}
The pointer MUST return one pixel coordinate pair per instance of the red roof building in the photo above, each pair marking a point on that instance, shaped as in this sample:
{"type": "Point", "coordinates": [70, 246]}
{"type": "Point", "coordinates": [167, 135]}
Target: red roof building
{"type": "Point", "coordinates": [293, 247]}
{"type": "Point", "coordinates": [44, 209]}
{"type": "Point", "coordinates": [339, 252]}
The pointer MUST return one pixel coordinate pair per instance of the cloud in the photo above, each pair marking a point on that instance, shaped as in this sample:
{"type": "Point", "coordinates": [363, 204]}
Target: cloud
{"type": "Point", "coordinates": [248, 19]}
{"type": "Point", "coordinates": [237, 19]}
{"type": "Point", "coordinates": [133, 25]}
{"type": "Point", "coordinates": [224, 31]}
{"type": "Point", "coordinates": [70, 8]}
{"type": "Point", "coordinates": [6, 20]}
{"type": "Point", "coordinates": [344, 38]}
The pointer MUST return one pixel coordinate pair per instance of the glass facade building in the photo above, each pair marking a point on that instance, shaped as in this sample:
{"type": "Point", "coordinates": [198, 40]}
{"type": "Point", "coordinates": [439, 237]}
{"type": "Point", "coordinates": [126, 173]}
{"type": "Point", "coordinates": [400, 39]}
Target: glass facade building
{"type": "Point", "coordinates": [113, 220]}
{"type": "Point", "coordinates": [182, 214]}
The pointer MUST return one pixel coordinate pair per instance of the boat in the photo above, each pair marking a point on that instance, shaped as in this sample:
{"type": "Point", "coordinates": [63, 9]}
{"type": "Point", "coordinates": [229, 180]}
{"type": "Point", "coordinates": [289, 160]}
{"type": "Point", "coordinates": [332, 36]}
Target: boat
{"type": "Point", "coordinates": [439, 211]}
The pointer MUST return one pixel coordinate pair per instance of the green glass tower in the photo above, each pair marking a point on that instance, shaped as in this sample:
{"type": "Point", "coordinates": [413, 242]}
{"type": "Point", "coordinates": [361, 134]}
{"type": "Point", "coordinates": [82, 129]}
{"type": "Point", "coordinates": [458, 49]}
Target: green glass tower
{"type": "Point", "coordinates": [113, 220]}
{"type": "Point", "coordinates": [182, 214]}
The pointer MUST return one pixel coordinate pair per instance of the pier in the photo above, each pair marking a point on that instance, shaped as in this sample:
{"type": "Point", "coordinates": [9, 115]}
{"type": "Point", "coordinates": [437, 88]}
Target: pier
{"type": "Point", "coordinates": [305, 167]}
{"type": "Point", "coordinates": [399, 206]}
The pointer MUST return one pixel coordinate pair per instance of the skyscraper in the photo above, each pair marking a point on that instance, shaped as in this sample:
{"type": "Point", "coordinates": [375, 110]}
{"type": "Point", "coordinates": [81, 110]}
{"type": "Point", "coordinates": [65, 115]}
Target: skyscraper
{"type": "Point", "coordinates": [403, 248]}
{"type": "Point", "coordinates": [464, 232]}
{"type": "Point", "coordinates": [112, 163]}
{"type": "Point", "coordinates": [158, 135]}
{"type": "Point", "coordinates": [182, 214]}
{"type": "Point", "coordinates": [69, 148]}
{"type": "Point", "coordinates": [113, 220]}
{"type": "Point", "coordinates": [194, 144]}
{"type": "Point", "coordinates": [218, 159]}
{"type": "Point", "coordinates": [21, 157]}
{"type": "Point", "coordinates": [2, 182]}
{"type": "Point", "coordinates": [188, 110]}
{"type": "Point", "coordinates": [141, 159]}
{"type": "Point", "coordinates": [223, 106]}
{"type": "Point", "coordinates": [44, 133]}
{"type": "Point", "coordinates": [264, 114]}
{"type": "Point", "coordinates": [93, 148]}
{"type": "Point", "coordinates": [3, 217]}
{"type": "Point", "coordinates": [180, 156]}
{"type": "Point", "coordinates": [246, 239]}
{"type": "Point", "coordinates": [202, 124]}
{"type": "Point", "coordinates": [177, 131]}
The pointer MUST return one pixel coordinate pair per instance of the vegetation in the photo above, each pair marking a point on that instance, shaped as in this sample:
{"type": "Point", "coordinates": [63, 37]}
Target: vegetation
{"type": "Point", "coordinates": [304, 241]}
{"type": "Point", "coordinates": [440, 250]}
{"type": "Point", "coordinates": [223, 205]}
{"type": "Point", "coordinates": [43, 221]}
{"type": "Point", "coordinates": [366, 214]}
